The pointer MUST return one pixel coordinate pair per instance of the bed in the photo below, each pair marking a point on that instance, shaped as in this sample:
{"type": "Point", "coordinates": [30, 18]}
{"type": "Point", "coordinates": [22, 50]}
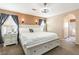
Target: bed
{"type": "Point", "coordinates": [37, 42]}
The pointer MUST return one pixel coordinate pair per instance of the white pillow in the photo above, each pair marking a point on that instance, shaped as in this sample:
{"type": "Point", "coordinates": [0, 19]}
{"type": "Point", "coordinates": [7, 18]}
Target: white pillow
{"type": "Point", "coordinates": [24, 30]}
{"type": "Point", "coordinates": [37, 29]}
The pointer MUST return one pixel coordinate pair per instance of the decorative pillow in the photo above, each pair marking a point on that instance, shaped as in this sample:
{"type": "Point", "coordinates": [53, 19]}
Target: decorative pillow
{"type": "Point", "coordinates": [31, 30]}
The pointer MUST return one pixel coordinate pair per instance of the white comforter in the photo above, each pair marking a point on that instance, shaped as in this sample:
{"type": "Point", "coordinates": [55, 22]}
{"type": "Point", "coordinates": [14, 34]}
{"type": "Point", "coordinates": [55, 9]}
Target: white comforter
{"type": "Point", "coordinates": [32, 39]}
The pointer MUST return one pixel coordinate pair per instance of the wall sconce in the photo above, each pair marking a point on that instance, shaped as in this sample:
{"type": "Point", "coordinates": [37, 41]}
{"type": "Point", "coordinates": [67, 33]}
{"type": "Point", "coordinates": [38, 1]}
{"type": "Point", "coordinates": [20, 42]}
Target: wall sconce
{"type": "Point", "coordinates": [22, 21]}
{"type": "Point", "coordinates": [36, 21]}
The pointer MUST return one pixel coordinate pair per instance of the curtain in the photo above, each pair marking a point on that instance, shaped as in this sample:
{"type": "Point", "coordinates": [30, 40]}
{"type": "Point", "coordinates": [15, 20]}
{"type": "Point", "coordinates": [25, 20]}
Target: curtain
{"type": "Point", "coordinates": [45, 22]}
{"type": "Point", "coordinates": [15, 18]}
{"type": "Point", "coordinates": [43, 25]}
{"type": "Point", "coordinates": [40, 21]}
{"type": "Point", "coordinates": [3, 18]}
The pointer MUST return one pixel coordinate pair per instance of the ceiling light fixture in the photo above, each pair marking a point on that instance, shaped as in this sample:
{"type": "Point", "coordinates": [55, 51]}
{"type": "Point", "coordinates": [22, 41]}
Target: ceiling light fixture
{"type": "Point", "coordinates": [45, 9]}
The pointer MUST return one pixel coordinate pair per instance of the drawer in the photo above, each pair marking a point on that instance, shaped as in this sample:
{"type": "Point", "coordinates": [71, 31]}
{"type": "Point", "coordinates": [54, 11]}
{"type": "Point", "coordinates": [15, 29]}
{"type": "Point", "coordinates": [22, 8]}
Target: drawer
{"type": "Point", "coordinates": [6, 40]}
{"type": "Point", "coordinates": [53, 44]}
{"type": "Point", "coordinates": [9, 37]}
{"type": "Point", "coordinates": [42, 48]}
{"type": "Point", "coordinates": [10, 42]}
{"type": "Point", "coordinates": [37, 50]}
{"type": "Point", "coordinates": [45, 47]}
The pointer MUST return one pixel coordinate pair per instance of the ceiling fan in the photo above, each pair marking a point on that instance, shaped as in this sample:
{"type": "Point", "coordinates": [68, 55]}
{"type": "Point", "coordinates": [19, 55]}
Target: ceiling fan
{"type": "Point", "coordinates": [43, 10]}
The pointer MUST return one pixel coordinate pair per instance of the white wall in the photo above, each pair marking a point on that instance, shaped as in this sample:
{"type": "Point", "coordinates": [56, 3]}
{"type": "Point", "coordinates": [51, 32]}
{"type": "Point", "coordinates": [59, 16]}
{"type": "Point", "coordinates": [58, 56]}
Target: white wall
{"type": "Point", "coordinates": [56, 24]}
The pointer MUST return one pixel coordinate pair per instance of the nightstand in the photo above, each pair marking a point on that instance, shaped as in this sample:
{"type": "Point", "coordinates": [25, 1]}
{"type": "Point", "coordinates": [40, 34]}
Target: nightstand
{"type": "Point", "coordinates": [10, 39]}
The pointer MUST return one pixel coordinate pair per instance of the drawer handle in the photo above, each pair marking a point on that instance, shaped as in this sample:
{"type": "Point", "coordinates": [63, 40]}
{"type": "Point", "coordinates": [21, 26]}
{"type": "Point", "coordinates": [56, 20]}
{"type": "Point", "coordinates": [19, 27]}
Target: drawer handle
{"type": "Point", "coordinates": [34, 50]}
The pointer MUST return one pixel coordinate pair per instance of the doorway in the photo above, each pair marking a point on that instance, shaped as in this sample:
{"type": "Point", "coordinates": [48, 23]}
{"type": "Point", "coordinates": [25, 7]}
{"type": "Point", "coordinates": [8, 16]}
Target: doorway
{"type": "Point", "coordinates": [70, 28]}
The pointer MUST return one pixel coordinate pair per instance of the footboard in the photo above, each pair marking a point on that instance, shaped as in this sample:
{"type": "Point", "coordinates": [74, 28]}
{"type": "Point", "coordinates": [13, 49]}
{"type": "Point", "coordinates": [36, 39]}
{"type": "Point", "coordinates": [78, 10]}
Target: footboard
{"type": "Point", "coordinates": [42, 48]}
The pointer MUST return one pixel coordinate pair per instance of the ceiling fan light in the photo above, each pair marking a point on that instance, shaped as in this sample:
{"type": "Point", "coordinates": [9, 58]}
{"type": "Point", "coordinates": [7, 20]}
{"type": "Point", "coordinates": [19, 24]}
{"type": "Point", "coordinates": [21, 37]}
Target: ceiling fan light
{"type": "Point", "coordinates": [45, 11]}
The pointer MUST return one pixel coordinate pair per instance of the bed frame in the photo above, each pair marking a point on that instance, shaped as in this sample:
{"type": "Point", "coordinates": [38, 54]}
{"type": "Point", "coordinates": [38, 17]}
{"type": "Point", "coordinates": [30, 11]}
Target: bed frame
{"type": "Point", "coordinates": [41, 48]}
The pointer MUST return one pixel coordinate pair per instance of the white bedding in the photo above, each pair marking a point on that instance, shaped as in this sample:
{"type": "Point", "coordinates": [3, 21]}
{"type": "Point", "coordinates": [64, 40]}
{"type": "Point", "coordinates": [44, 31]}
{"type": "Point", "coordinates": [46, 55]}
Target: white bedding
{"type": "Point", "coordinates": [36, 38]}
